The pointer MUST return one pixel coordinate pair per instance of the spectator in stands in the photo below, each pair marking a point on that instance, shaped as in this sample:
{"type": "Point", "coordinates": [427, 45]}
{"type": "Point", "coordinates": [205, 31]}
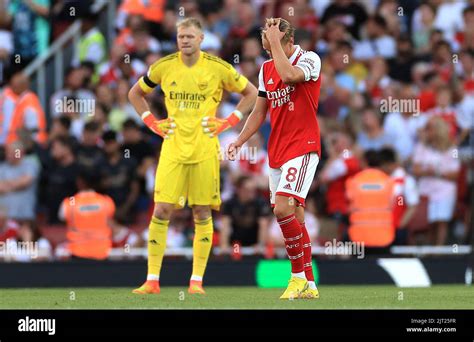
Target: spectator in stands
{"type": "Point", "coordinates": [135, 146]}
{"type": "Point", "coordinates": [348, 12]}
{"type": "Point", "coordinates": [88, 216]}
{"type": "Point", "coordinates": [8, 227]}
{"type": "Point", "coordinates": [74, 89]}
{"type": "Point", "coordinates": [22, 112]}
{"type": "Point", "coordinates": [30, 28]}
{"type": "Point", "coordinates": [92, 46]}
{"type": "Point", "coordinates": [466, 37]}
{"type": "Point", "coordinates": [401, 65]}
{"type": "Point", "coordinates": [342, 164]}
{"type": "Point", "coordinates": [121, 65]}
{"type": "Point", "coordinates": [90, 156]}
{"type": "Point", "coordinates": [59, 128]}
{"type": "Point", "coordinates": [59, 175]}
{"type": "Point", "coordinates": [32, 246]}
{"type": "Point", "coordinates": [372, 136]}
{"type": "Point", "coordinates": [378, 42]}
{"type": "Point", "coordinates": [118, 178]}
{"type": "Point", "coordinates": [339, 85]}
{"type": "Point", "coordinates": [151, 11]}
{"type": "Point", "coordinates": [436, 164]}
{"type": "Point", "coordinates": [245, 218]}
{"type": "Point", "coordinates": [18, 182]}
{"type": "Point", "coordinates": [449, 113]}
{"type": "Point", "coordinates": [401, 127]}
{"type": "Point", "coordinates": [6, 43]}
{"type": "Point", "coordinates": [422, 27]}
{"type": "Point", "coordinates": [122, 109]}
{"type": "Point", "coordinates": [407, 197]}
{"type": "Point", "coordinates": [124, 237]}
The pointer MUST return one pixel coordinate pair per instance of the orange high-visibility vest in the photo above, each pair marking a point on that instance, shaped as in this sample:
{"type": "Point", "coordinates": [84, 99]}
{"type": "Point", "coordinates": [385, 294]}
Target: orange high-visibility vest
{"type": "Point", "coordinates": [152, 10]}
{"type": "Point", "coordinates": [370, 193]}
{"type": "Point", "coordinates": [8, 100]}
{"type": "Point", "coordinates": [27, 100]}
{"type": "Point", "coordinates": [87, 217]}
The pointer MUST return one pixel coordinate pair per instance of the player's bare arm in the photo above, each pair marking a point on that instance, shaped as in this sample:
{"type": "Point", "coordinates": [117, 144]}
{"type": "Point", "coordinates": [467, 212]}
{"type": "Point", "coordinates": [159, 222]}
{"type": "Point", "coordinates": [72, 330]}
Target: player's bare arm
{"type": "Point", "coordinates": [289, 74]}
{"type": "Point", "coordinates": [253, 123]}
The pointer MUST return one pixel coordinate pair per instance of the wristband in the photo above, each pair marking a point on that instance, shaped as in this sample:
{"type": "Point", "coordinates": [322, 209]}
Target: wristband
{"type": "Point", "coordinates": [235, 117]}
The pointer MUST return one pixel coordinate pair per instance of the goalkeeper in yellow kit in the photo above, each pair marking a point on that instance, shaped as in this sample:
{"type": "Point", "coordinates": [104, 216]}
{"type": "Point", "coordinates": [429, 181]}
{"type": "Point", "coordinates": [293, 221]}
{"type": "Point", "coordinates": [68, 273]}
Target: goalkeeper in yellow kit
{"type": "Point", "coordinates": [188, 170]}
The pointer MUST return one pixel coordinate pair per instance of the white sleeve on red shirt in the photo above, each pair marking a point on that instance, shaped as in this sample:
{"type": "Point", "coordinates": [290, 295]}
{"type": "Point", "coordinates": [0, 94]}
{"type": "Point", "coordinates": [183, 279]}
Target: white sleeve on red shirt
{"type": "Point", "coordinates": [261, 82]}
{"type": "Point", "coordinates": [336, 169]}
{"type": "Point", "coordinates": [410, 191]}
{"type": "Point", "coordinates": [310, 63]}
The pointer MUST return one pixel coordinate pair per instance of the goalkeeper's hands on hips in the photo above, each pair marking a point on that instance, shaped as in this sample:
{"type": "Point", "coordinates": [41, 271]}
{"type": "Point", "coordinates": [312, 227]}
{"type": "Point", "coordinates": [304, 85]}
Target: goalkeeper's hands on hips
{"type": "Point", "coordinates": [163, 128]}
{"type": "Point", "coordinates": [213, 126]}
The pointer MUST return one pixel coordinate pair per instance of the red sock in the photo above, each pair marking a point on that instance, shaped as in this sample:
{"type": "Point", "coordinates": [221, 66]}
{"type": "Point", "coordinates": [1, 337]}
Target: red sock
{"type": "Point", "coordinates": [293, 235]}
{"type": "Point", "coordinates": [308, 266]}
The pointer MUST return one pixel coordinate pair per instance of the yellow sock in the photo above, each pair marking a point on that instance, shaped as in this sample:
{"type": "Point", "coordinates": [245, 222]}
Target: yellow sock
{"type": "Point", "coordinates": [156, 246]}
{"type": "Point", "coordinates": [201, 246]}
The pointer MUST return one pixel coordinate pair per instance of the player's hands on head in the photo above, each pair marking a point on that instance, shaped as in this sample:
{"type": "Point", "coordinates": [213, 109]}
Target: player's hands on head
{"type": "Point", "coordinates": [272, 30]}
{"type": "Point", "coordinates": [163, 128]}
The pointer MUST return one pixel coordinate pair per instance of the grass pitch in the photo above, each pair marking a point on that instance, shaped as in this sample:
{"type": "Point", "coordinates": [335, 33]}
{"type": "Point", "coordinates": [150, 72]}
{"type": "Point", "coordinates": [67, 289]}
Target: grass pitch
{"type": "Point", "coordinates": [331, 297]}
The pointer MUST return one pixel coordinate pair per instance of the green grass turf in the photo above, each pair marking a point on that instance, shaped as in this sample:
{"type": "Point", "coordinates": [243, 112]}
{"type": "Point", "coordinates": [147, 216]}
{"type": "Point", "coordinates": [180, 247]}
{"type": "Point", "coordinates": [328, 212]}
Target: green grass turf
{"type": "Point", "coordinates": [332, 297]}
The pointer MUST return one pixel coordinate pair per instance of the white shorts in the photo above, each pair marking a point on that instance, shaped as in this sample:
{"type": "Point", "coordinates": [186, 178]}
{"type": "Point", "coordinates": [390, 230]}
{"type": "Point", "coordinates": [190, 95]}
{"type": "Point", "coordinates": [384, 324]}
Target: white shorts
{"type": "Point", "coordinates": [441, 210]}
{"type": "Point", "coordinates": [294, 178]}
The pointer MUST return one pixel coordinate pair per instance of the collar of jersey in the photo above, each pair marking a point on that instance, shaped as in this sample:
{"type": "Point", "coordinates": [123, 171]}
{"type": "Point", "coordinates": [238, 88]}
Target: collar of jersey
{"type": "Point", "coordinates": [197, 62]}
{"type": "Point", "coordinates": [293, 56]}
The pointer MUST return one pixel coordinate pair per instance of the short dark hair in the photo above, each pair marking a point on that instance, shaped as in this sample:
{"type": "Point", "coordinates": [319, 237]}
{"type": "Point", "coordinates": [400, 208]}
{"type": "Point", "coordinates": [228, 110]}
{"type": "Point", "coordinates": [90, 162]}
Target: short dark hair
{"type": "Point", "coordinates": [89, 179]}
{"type": "Point", "coordinates": [241, 181]}
{"type": "Point", "coordinates": [109, 136]}
{"type": "Point", "coordinates": [387, 155]}
{"type": "Point", "coordinates": [64, 121]}
{"type": "Point", "coordinates": [65, 141]}
{"type": "Point", "coordinates": [372, 158]}
{"type": "Point", "coordinates": [130, 123]}
{"type": "Point", "coordinates": [379, 21]}
{"type": "Point", "coordinates": [91, 126]}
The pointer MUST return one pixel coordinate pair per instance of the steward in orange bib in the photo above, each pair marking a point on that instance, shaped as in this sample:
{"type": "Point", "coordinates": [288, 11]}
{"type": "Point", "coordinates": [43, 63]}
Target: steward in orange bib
{"type": "Point", "coordinates": [88, 216]}
{"type": "Point", "coordinates": [21, 109]}
{"type": "Point", "coordinates": [371, 199]}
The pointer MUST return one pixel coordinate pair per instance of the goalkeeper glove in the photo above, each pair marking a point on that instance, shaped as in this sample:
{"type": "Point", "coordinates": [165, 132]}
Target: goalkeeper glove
{"type": "Point", "coordinates": [163, 128]}
{"type": "Point", "coordinates": [213, 126]}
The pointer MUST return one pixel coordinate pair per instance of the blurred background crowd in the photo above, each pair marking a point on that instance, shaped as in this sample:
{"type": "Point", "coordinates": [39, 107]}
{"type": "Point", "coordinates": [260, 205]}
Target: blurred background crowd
{"type": "Point", "coordinates": [376, 55]}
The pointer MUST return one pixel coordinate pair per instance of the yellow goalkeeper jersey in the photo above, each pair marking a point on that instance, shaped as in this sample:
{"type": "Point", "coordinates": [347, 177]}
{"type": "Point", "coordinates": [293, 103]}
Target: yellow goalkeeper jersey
{"type": "Point", "coordinates": [191, 93]}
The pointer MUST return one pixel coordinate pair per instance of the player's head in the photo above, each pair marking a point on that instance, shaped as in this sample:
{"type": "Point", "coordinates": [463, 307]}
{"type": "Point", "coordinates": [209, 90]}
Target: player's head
{"type": "Point", "coordinates": [288, 39]}
{"type": "Point", "coordinates": [189, 36]}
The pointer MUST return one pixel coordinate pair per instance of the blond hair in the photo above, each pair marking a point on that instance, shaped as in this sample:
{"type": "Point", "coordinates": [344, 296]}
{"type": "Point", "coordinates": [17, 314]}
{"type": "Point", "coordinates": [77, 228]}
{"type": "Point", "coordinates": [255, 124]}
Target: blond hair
{"type": "Point", "coordinates": [441, 140]}
{"type": "Point", "coordinates": [188, 22]}
{"type": "Point", "coordinates": [285, 26]}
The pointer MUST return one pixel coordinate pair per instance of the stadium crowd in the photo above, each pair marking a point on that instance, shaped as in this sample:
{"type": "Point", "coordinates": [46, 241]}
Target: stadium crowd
{"type": "Point", "coordinates": [397, 94]}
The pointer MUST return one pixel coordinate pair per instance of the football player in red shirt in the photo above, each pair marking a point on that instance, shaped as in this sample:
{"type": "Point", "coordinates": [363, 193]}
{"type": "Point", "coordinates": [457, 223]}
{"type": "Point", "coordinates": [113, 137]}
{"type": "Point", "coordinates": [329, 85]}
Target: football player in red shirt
{"type": "Point", "coordinates": [289, 85]}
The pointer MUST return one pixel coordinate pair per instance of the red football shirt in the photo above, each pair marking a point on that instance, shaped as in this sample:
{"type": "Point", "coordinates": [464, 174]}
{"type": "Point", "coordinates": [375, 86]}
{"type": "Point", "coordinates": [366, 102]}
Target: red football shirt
{"type": "Point", "coordinates": [293, 108]}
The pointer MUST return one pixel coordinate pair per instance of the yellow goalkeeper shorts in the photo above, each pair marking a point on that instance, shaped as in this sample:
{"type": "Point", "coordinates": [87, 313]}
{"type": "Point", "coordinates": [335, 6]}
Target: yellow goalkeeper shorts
{"type": "Point", "coordinates": [196, 184]}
